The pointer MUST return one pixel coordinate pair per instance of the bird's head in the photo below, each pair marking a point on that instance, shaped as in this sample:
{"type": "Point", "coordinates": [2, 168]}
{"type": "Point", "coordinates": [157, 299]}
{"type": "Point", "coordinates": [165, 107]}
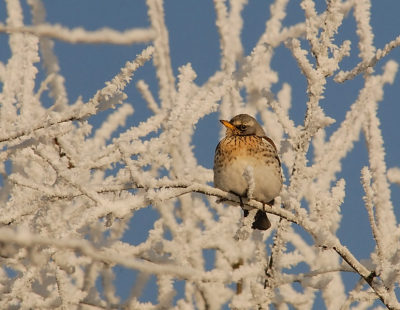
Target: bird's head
{"type": "Point", "coordinates": [243, 125]}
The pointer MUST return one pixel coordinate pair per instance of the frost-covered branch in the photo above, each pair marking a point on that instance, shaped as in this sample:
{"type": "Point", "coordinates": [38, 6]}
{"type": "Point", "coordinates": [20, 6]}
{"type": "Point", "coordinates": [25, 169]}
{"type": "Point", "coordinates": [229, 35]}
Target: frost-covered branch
{"type": "Point", "coordinates": [393, 175]}
{"type": "Point", "coordinates": [81, 35]}
{"type": "Point", "coordinates": [85, 248]}
{"type": "Point", "coordinates": [362, 66]}
{"type": "Point", "coordinates": [104, 99]}
{"type": "Point", "coordinates": [369, 197]}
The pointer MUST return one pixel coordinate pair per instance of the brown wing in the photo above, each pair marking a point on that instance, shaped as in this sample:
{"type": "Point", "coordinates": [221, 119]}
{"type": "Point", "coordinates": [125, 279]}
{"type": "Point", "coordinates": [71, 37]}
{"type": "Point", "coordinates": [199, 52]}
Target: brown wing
{"type": "Point", "coordinates": [276, 150]}
{"type": "Point", "coordinates": [272, 142]}
{"type": "Point", "coordinates": [218, 146]}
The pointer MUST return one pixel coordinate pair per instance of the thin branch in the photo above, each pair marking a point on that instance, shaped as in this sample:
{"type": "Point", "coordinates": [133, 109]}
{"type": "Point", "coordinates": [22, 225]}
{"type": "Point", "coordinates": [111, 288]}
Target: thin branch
{"type": "Point", "coordinates": [286, 279]}
{"type": "Point", "coordinates": [60, 288]}
{"type": "Point", "coordinates": [369, 197]}
{"type": "Point", "coordinates": [27, 131]}
{"type": "Point", "coordinates": [362, 66]}
{"type": "Point", "coordinates": [287, 124]}
{"type": "Point", "coordinates": [148, 96]}
{"type": "Point", "coordinates": [105, 98]}
{"type": "Point", "coordinates": [80, 35]}
{"type": "Point", "coordinates": [369, 276]}
{"type": "Point", "coordinates": [359, 285]}
{"type": "Point", "coordinates": [162, 59]}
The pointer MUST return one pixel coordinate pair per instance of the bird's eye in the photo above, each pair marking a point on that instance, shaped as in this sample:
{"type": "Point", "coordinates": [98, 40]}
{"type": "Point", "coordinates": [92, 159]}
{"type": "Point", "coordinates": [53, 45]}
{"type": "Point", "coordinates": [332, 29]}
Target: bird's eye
{"type": "Point", "coordinates": [243, 127]}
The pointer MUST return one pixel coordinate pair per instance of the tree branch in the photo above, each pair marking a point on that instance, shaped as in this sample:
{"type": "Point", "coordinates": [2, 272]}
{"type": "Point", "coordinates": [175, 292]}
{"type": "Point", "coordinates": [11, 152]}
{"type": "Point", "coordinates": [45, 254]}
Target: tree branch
{"type": "Point", "coordinates": [80, 35]}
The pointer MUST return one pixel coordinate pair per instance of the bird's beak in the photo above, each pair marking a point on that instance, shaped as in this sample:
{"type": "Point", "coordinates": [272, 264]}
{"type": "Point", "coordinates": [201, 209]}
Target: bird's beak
{"type": "Point", "coordinates": [228, 125]}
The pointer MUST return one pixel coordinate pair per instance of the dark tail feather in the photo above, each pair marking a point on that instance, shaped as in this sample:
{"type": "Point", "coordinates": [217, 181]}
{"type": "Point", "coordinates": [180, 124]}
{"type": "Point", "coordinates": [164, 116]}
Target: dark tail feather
{"type": "Point", "coordinates": [261, 221]}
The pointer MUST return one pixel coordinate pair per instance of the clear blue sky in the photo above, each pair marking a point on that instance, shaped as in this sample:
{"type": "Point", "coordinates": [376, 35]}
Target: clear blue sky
{"type": "Point", "coordinates": [194, 38]}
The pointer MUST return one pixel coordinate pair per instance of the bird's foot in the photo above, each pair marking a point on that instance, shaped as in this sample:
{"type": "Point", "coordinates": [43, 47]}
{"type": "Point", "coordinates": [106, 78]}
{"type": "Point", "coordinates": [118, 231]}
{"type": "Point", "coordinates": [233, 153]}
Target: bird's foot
{"type": "Point", "coordinates": [241, 202]}
{"type": "Point", "coordinates": [270, 203]}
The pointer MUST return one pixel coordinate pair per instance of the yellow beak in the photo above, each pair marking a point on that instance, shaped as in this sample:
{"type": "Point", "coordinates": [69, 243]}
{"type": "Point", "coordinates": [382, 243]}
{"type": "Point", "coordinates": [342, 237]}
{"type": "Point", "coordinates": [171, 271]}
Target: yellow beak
{"type": "Point", "coordinates": [228, 125]}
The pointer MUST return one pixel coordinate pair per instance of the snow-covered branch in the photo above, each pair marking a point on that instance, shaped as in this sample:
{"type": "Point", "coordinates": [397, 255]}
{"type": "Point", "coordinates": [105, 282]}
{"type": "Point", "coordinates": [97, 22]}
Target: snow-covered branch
{"type": "Point", "coordinates": [362, 66]}
{"type": "Point", "coordinates": [81, 35]}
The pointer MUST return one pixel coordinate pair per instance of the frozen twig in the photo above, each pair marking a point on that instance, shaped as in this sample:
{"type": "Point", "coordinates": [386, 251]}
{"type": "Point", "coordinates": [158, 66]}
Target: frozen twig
{"type": "Point", "coordinates": [162, 59]}
{"type": "Point", "coordinates": [315, 273]}
{"type": "Point", "coordinates": [80, 35]}
{"type": "Point", "coordinates": [342, 76]}
{"type": "Point", "coordinates": [61, 290]}
{"type": "Point", "coordinates": [245, 230]}
{"type": "Point", "coordinates": [369, 197]}
{"type": "Point", "coordinates": [393, 175]}
{"type": "Point", "coordinates": [147, 95]}
{"type": "Point", "coordinates": [50, 60]}
{"type": "Point", "coordinates": [283, 118]}
{"type": "Point", "coordinates": [103, 99]}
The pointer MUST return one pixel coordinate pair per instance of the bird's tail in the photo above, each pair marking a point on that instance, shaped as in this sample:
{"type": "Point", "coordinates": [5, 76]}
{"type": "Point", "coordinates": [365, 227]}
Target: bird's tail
{"type": "Point", "coordinates": [261, 221]}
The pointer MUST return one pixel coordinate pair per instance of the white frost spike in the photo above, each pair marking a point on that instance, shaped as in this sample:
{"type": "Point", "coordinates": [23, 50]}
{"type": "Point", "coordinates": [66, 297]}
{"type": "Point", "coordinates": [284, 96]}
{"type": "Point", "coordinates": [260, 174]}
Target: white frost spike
{"type": "Point", "coordinates": [112, 123]}
{"type": "Point", "coordinates": [245, 230]}
{"type": "Point", "coordinates": [393, 175]}
{"type": "Point", "coordinates": [249, 177]}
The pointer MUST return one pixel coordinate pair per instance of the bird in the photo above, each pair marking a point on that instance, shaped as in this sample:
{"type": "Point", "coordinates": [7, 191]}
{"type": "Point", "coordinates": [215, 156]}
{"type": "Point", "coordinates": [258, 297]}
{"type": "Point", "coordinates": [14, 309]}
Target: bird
{"type": "Point", "coordinates": [246, 145]}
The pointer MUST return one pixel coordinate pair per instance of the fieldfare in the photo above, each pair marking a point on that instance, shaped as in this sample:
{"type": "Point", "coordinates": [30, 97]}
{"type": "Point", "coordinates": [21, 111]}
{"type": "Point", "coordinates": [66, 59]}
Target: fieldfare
{"type": "Point", "coordinates": [246, 145]}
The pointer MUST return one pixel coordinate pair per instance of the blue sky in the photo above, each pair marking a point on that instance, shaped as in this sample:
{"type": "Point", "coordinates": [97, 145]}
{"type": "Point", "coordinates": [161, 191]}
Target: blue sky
{"type": "Point", "coordinates": [194, 39]}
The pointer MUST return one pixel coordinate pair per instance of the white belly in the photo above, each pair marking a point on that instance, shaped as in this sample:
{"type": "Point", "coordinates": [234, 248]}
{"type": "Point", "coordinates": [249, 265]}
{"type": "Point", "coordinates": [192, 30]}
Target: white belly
{"type": "Point", "coordinates": [267, 179]}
